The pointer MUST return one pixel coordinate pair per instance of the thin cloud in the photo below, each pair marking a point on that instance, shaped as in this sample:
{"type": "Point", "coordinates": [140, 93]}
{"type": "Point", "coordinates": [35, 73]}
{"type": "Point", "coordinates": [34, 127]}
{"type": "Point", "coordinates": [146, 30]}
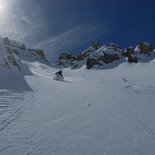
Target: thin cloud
{"type": "Point", "coordinates": [72, 38]}
{"type": "Point", "coordinates": [24, 21]}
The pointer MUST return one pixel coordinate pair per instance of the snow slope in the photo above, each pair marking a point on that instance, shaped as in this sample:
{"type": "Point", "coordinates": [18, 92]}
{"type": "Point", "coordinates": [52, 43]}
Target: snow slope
{"type": "Point", "coordinates": [91, 112]}
{"type": "Point", "coordinates": [12, 67]}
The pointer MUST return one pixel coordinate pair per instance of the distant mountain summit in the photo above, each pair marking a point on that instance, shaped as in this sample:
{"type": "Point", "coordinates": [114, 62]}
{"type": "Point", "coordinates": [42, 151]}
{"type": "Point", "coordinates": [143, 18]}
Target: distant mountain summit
{"type": "Point", "coordinates": [13, 54]}
{"type": "Point", "coordinates": [104, 56]}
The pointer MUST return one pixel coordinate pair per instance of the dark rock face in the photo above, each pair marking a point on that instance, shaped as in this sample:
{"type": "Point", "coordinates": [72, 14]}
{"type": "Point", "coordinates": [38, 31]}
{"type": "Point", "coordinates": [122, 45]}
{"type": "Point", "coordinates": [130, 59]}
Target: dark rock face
{"type": "Point", "coordinates": [6, 41]}
{"type": "Point", "coordinates": [40, 53]}
{"type": "Point", "coordinates": [67, 56]}
{"type": "Point", "coordinates": [108, 58]}
{"type": "Point", "coordinates": [14, 62]}
{"type": "Point", "coordinates": [91, 62]}
{"type": "Point", "coordinates": [66, 59]}
{"type": "Point", "coordinates": [131, 55]}
{"type": "Point", "coordinates": [102, 55]}
{"type": "Point", "coordinates": [80, 57]}
{"type": "Point", "coordinates": [145, 48]}
{"type": "Point", "coordinates": [105, 59]}
{"type": "Point", "coordinates": [128, 52]}
{"type": "Point", "coordinates": [133, 59]}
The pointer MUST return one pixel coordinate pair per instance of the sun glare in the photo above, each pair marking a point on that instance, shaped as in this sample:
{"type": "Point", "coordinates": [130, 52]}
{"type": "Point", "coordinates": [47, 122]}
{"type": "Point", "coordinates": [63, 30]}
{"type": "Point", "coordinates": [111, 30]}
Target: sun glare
{"type": "Point", "coordinates": [2, 5]}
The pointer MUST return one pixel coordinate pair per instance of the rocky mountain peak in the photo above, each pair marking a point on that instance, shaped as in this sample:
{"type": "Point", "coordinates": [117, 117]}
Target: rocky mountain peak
{"type": "Point", "coordinates": [103, 55]}
{"type": "Point", "coordinates": [96, 45]}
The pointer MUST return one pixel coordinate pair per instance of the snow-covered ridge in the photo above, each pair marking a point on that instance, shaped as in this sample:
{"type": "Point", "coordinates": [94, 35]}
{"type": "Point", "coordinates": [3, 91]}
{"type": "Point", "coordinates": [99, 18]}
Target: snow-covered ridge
{"type": "Point", "coordinates": [107, 56]}
{"type": "Point", "coordinates": [14, 57]}
{"type": "Point", "coordinates": [13, 53]}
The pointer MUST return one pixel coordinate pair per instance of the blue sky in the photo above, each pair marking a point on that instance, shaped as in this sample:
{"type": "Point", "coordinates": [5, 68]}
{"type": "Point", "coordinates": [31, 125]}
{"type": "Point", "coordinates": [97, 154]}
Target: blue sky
{"type": "Point", "coordinates": [60, 25]}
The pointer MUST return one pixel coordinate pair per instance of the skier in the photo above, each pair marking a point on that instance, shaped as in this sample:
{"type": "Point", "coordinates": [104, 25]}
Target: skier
{"type": "Point", "coordinates": [58, 75]}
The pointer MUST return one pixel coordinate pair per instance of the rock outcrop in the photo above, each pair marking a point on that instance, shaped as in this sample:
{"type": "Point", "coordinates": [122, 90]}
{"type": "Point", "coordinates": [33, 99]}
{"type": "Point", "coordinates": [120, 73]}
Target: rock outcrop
{"type": "Point", "coordinates": [145, 48]}
{"type": "Point", "coordinates": [91, 62]}
{"type": "Point", "coordinates": [98, 55]}
{"type": "Point", "coordinates": [130, 54]}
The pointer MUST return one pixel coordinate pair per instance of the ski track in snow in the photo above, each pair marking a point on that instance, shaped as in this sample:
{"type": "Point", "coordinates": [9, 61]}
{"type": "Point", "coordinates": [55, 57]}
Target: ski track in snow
{"type": "Point", "coordinates": [131, 115]}
{"type": "Point", "coordinates": [7, 100]}
{"type": "Point", "coordinates": [94, 112]}
{"type": "Point", "coordinates": [10, 107]}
